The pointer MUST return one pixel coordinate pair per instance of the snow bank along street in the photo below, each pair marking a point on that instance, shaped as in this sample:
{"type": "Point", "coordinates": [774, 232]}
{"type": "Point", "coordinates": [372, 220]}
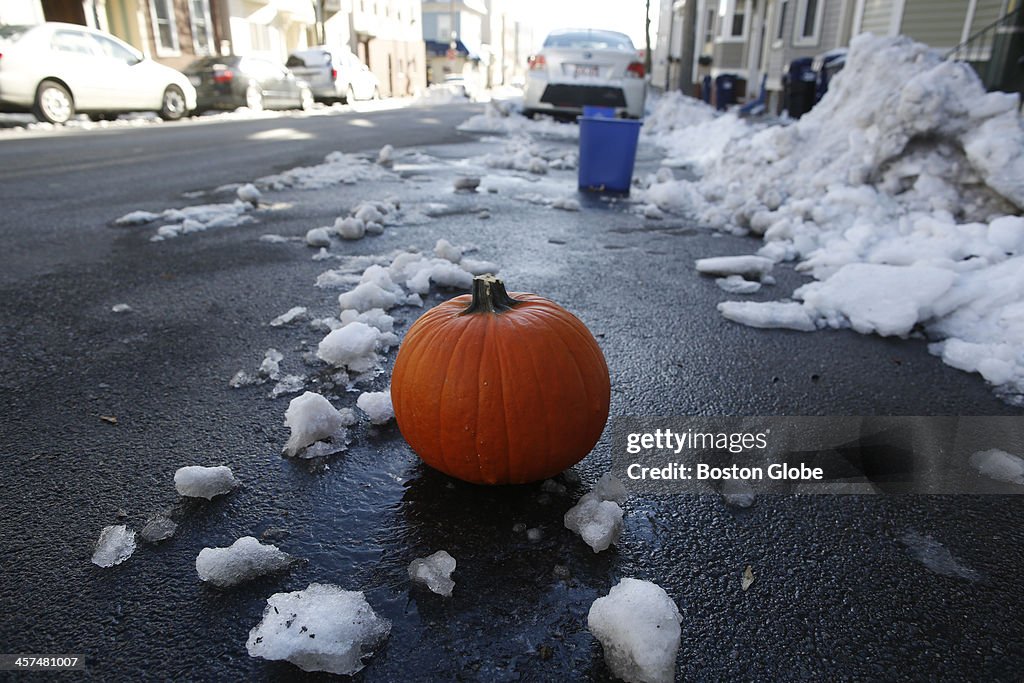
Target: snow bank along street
{"type": "Point", "coordinates": [220, 488]}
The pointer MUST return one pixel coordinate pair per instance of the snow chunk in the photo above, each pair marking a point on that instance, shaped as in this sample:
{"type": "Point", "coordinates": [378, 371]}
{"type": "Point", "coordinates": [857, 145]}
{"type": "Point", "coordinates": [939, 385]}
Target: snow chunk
{"type": "Point", "coordinates": [566, 204]}
{"type": "Point", "coordinates": [368, 295]}
{"type": "Point", "coordinates": [999, 465]}
{"type": "Point", "coordinates": [291, 315]}
{"type": "Point", "coordinates": [597, 521]}
{"type": "Point", "coordinates": [434, 572]}
{"type": "Point", "coordinates": [735, 284]}
{"type": "Point", "coordinates": [249, 193]}
{"type": "Point", "coordinates": [476, 267]}
{"type": "Point", "coordinates": [386, 155]}
{"type": "Point", "coordinates": [448, 251]}
{"type": "Point", "coordinates": [467, 183]}
{"type": "Point", "coordinates": [768, 314]}
{"type": "Point", "coordinates": [311, 418]}
{"type": "Point", "coordinates": [936, 556]}
{"type": "Point", "coordinates": [158, 528]}
{"type": "Point", "coordinates": [350, 228]}
{"type": "Point", "coordinates": [637, 624]}
{"type": "Point", "coordinates": [322, 628]}
{"type": "Point", "coordinates": [336, 169]}
{"type": "Point", "coordinates": [377, 405]}
{"type": "Point", "coordinates": [748, 267]}
{"type": "Point", "coordinates": [195, 481]}
{"type": "Point", "coordinates": [318, 237]}
{"type": "Point", "coordinates": [137, 218]}
{"type": "Point", "coordinates": [610, 487]}
{"type": "Point", "coordinates": [121, 308]}
{"type": "Point", "coordinates": [243, 560]}
{"type": "Point", "coordinates": [115, 545]}
{"type": "Point", "coordinates": [885, 299]}
{"type": "Point", "coordinates": [353, 346]}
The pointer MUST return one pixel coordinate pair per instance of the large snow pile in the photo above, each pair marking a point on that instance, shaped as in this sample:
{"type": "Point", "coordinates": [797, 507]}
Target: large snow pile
{"type": "Point", "coordinates": [690, 131]}
{"type": "Point", "coordinates": [638, 626]}
{"type": "Point", "coordinates": [242, 561]}
{"type": "Point", "coordinates": [904, 205]}
{"type": "Point", "coordinates": [322, 628]}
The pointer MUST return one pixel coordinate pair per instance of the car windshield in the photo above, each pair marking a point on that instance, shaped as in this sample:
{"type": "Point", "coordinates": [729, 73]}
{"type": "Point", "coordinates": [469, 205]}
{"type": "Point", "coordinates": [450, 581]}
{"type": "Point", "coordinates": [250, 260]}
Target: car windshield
{"type": "Point", "coordinates": [308, 58]}
{"type": "Point", "coordinates": [9, 34]}
{"type": "Point", "coordinates": [590, 40]}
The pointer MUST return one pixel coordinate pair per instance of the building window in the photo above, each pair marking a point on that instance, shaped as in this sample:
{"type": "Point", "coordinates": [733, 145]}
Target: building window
{"type": "Point", "coordinates": [444, 28]}
{"type": "Point", "coordinates": [732, 15]}
{"type": "Point", "coordinates": [202, 27]}
{"type": "Point", "coordinates": [808, 22]}
{"type": "Point", "coordinates": [709, 31]}
{"type": "Point", "coordinates": [780, 24]}
{"type": "Point", "coordinates": [165, 30]}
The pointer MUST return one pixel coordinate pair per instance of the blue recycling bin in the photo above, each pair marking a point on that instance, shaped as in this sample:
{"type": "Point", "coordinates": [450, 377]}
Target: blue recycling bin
{"type": "Point", "coordinates": [725, 91]}
{"type": "Point", "coordinates": [607, 153]}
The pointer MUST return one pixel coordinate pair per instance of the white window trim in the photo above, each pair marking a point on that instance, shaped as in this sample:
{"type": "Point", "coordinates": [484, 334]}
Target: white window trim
{"type": "Point", "coordinates": [162, 51]}
{"type": "Point", "coordinates": [776, 21]}
{"type": "Point", "coordinates": [725, 23]}
{"type": "Point", "coordinates": [197, 48]}
{"type": "Point", "coordinates": [800, 40]}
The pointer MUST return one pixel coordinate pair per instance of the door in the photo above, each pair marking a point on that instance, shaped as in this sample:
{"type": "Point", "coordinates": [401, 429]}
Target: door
{"type": "Point", "coordinates": [127, 85]}
{"type": "Point", "coordinates": [74, 58]}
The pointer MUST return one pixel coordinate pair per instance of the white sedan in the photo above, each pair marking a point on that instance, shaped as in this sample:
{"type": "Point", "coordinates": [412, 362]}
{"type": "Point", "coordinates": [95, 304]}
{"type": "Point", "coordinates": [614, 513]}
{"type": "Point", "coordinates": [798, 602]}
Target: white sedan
{"type": "Point", "coordinates": [580, 67]}
{"type": "Point", "coordinates": [55, 70]}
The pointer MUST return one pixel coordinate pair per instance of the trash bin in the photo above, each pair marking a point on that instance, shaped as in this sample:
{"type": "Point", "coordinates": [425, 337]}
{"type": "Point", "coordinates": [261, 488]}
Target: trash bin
{"type": "Point", "coordinates": [725, 91]}
{"type": "Point", "coordinates": [800, 85]}
{"type": "Point", "coordinates": [607, 153]}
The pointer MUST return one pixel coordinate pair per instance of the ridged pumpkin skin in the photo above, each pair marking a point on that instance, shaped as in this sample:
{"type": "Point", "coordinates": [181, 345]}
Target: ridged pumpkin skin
{"type": "Point", "coordinates": [503, 397]}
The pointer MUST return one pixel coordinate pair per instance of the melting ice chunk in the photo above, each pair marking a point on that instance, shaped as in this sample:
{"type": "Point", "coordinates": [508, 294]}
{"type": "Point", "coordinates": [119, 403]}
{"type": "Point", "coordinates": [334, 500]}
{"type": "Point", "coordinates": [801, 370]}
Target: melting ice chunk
{"type": "Point", "coordinates": [311, 418]}
{"type": "Point", "coordinates": [598, 522]}
{"type": "Point", "coordinates": [115, 545]}
{"type": "Point", "coordinates": [158, 528]}
{"type": "Point", "coordinates": [322, 628]}
{"type": "Point", "coordinates": [204, 482]}
{"type": "Point", "coordinates": [638, 627]}
{"type": "Point", "coordinates": [353, 346]}
{"type": "Point", "coordinates": [434, 572]}
{"type": "Point", "coordinates": [610, 487]}
{"type": "Point", "coordinates": [243, 560]}
{"type": "Point", "coordinates": [377, 405]}
{"type": "Point", "coordinates": [999, 465]}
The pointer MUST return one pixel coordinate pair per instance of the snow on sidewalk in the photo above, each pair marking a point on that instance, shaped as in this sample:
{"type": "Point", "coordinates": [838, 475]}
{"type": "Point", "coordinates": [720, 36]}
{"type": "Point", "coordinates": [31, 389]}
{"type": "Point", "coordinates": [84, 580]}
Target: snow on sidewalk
{"type": "Point", "coordinates": [904, 206]}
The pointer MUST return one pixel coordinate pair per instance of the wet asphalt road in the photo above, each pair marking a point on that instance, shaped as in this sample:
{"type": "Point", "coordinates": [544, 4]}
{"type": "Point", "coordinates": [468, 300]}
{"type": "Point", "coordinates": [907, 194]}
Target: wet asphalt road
{"type": "Point", "coordinates": [835, 597]}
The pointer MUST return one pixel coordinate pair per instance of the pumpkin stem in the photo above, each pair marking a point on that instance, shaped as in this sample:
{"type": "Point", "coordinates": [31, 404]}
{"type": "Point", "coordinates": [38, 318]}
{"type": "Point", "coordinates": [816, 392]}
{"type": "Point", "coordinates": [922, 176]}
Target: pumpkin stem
{"type": "Point", "coordinates": [489, 296]}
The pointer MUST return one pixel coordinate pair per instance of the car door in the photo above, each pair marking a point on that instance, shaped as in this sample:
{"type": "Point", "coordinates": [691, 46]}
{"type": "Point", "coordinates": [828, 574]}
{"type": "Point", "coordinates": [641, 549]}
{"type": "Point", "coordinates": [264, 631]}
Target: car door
{"type": "Point", "coordinates": [75, 59]}
{"type": "Point", "coordinates": [127, 85]}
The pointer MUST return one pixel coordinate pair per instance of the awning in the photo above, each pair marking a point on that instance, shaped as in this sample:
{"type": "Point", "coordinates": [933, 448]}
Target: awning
{"type": "Point", "coordinates": [436, 48]}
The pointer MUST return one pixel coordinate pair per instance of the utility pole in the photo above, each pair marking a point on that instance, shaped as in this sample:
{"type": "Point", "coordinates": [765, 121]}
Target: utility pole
{"type": "Point", "coordinates": [647, 38]}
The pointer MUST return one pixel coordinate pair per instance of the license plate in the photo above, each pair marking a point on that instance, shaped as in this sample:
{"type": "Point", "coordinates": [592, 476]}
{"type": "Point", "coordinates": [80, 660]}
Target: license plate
{"type": "Point", "coordinates": [584, 71]}
{"type": "Point", "coordinates": [196, 80]}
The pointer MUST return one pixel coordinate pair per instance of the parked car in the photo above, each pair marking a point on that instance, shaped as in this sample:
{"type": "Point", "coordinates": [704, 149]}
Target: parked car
{"type": "Point", "coordinates": [230, 82]}
{"type": "Point", "coordinates": [578, 67]}
{"type": "Point", "coordinates": [55, 70]}
{"type": "Point", "coordinates": [334, 75]}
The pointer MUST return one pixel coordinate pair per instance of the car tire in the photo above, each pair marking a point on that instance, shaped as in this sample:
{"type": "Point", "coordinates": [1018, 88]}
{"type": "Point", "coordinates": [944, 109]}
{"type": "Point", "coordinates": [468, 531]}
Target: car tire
{"type": "Point", "coordinates": [306, 99]}
{"type": "Point", "coordinates": [254, 97]}
{"type": "Point", "coordinates": [53, 103]}
{"type": "Point", "coordinates": [173, 105]}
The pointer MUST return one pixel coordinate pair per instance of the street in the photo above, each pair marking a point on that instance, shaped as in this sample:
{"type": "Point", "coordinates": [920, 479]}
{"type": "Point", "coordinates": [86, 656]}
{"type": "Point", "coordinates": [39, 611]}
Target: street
{"type": "Point", "coordinates": [836, 596]}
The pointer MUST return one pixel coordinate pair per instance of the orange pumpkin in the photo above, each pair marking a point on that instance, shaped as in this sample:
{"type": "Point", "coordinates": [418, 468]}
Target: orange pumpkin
{"type": "Point", "coordinates": [500, 389]}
